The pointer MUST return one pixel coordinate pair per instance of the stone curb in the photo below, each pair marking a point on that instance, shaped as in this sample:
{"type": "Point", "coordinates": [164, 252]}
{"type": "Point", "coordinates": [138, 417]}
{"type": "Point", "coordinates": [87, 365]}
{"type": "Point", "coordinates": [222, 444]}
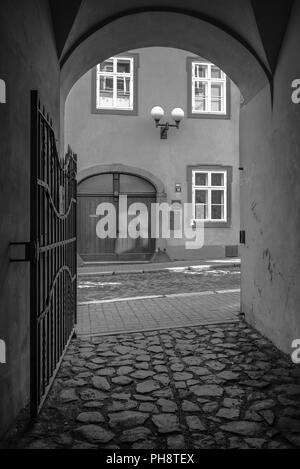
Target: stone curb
{"type": "Point", "coordinates": [159, 270]}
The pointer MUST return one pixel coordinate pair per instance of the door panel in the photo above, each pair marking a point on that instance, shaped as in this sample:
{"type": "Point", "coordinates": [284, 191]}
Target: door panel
{"type": "Point", "coordinates": [90, 247]}
{"type": "Point", "coordinates": [100, 184]}
{"type": "Point", "coordinates": [130, 184]}
{"type": "Point", "coordinates": [142, 248]}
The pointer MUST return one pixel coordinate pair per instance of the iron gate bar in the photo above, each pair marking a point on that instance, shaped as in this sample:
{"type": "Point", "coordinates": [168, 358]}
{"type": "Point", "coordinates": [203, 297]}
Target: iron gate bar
{"type": "Point", "coordinates": [53, 268]}
{"type": "Point", "coordinates": [54, 245]}
{"type": "Point", "coordinates": [47, 189]}
{"type": "Point", "coordinates": [63, 269]}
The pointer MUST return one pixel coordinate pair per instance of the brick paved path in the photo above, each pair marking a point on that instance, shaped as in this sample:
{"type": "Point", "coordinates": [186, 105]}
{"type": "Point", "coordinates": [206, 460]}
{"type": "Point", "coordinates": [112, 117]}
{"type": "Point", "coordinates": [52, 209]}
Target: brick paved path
{"type": "Point", "coordinates": [221, 386]}
{"type": "Point", "coordinates": [188, 309]}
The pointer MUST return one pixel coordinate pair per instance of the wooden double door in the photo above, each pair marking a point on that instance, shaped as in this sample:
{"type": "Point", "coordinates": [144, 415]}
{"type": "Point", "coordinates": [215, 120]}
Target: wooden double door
{"type": "Point", "coordinates": [110, 188]}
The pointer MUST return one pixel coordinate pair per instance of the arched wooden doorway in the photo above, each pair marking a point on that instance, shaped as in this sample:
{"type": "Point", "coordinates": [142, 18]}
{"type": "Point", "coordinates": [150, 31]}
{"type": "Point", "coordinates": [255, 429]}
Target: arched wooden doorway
{"type": "Point", "coordinates": [108, 188]}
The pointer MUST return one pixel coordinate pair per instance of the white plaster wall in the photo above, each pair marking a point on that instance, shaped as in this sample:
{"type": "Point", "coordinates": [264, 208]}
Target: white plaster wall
{"type": "Point", "coordinates": [134, 140]}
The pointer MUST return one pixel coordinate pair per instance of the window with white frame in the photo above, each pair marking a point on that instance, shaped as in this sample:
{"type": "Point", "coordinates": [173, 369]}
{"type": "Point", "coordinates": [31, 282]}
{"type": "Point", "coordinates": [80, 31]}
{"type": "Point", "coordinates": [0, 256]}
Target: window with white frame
{"type": "Point", "coordinates": [209, 195]}
{"type": "Point", "coordinates": [208, 89]}
{"type": "Point", "coordinates": [115, 84]}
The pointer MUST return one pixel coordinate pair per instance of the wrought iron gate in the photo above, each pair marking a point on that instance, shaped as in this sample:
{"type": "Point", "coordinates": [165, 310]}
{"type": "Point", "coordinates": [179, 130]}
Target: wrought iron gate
{"type": "Point", "coordinates": [54, 253]}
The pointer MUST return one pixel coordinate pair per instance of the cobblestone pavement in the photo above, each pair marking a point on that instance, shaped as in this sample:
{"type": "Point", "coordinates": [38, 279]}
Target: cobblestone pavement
{"type": "Point", "coordinates": [186, 309]}
{"type": "Point", "coordinates": [221, 386]}
{"type": "Point", "coordinates": [129, 285]}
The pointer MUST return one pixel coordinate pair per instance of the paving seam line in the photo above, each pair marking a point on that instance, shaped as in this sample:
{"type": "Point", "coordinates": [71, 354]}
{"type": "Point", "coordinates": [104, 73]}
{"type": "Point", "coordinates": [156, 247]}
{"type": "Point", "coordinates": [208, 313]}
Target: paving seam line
{"type": "Point", "coordinates": [159, 328]}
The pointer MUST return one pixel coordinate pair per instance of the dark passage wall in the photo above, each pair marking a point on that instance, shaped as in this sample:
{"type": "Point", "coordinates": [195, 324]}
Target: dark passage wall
{"type": "Point", "coordinates": [28, 61]}
{"type": "Point", "coordinates": [270, 155]}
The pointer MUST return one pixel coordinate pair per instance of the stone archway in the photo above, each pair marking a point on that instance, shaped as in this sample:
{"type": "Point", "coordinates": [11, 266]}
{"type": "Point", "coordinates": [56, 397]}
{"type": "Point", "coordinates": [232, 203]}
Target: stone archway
{"type": "Point", "coordinates": [122, 168]}
{"type": "Point", "coordinates": [265, 139]}
{"type": "Point", "coordinates": [177, 29]}
{"type": "Point", "coordinates": [181, 30]}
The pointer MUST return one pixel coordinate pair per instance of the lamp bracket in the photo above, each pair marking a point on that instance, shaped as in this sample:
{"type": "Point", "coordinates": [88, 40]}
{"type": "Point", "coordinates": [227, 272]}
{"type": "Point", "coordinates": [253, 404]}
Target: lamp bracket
{"type": "Point", "coordinates": [164, 128]}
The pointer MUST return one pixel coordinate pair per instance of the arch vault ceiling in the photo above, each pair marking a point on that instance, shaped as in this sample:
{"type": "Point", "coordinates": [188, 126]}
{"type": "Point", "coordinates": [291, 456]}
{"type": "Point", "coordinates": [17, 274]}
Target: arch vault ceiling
{"type": "Point", "coordinates": [260, 23]}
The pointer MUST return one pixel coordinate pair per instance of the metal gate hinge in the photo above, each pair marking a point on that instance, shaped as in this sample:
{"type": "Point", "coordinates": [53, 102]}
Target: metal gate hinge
{"type": "Point", "coordinates": [22, 252]}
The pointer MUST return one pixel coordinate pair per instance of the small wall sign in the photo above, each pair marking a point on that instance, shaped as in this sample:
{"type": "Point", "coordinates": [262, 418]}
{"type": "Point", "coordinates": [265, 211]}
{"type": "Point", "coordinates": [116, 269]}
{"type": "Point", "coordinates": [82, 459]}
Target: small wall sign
{"type": "Point", "coordinates": [178, 187]}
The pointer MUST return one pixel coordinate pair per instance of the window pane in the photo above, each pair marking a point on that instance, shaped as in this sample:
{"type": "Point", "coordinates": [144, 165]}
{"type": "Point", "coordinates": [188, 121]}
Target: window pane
{"type": "Point", "coordinates": [200, 105]}
{"type": "Point", "coordinates": [201, 212]}
{"type": "Point", "coordinates": [123, 92]}
{"type": "Point", "coordinates": [107, 66]}
{"type": "Point", "coordinates": [216, 90]}
{"type": "Point", "coordinates": [200, 89]}
{"type": "Point", "coordinates": [201, 71]}
{"type": "Point", "coordinates": [217, 197]}
{"type": "Point", "coordinates": [201, 179]}
{"type": "Point", "coordinates": [217, 95]}
{"type": "Point", "coordinates": [123, 66]}
{"type": "Point", "coordinates": [106, 91]}
{"type": "Point", "coordinates": [217, 212]}
{"type": "Point", "coordinates": [201, 197]}
{"type": "Point", "coordinates": [216, 72]}
{"type": "Point", "coordinates": [217, 179]}
{"type": "Point", "coordinates": [216, 105]}
{"type": "Point", "coordinates": [106, 84]}
{"type": "Point", "coordinates": [200, 96]}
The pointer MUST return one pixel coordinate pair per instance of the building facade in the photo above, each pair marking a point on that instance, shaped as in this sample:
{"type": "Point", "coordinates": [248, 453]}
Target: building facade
{"type": "Point", "coordinates": [120, 151]}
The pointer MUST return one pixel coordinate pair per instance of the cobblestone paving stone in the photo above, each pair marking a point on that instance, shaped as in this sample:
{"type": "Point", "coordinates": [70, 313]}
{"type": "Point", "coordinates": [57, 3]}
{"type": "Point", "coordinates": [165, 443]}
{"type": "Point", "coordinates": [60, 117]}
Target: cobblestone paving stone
{"type": "Point", "coordinates": [156, 283]}
{"type": "Point", "coordinates": [221, 386]}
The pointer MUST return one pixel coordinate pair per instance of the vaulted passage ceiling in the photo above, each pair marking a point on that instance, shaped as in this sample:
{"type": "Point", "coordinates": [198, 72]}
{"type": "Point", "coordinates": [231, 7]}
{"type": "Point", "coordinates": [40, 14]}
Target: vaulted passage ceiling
{"type": "Point", "coordinates": [261, 24]}
{"type": "Point", "coordinates": [272, 19]}
{"type": "Point", "coordinates": [243, 37]}
{"type": "Point", "coordinates": [63, 17]}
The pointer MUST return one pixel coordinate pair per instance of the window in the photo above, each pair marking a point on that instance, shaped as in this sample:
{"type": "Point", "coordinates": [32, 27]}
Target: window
{"type": "Point", "coordinates": [115, 85]}
{"type": "Point", "coordinates": [209, 195]}
{"type": "Point", "coordinates": [209, 90]}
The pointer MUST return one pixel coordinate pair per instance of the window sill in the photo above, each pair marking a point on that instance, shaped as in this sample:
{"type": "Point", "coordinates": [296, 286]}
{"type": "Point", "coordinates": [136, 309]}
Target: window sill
{"type": "Point", "coordinates": [209, 115]}
{"type": "Point", "coordinates": [117, 112]}
{"type": "Point", "coordinates": [214, 224]}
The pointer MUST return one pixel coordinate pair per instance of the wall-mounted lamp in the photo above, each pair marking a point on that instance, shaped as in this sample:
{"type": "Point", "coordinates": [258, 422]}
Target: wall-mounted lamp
{"type": "Point", "coordinates": [158, 113]}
